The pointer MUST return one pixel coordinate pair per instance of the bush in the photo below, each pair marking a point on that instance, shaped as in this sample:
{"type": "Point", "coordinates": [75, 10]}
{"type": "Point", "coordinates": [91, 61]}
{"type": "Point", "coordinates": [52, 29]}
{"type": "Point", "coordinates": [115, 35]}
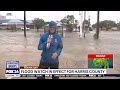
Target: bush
{"type": "Point", "coordinates": [69, 27]}
{"type": "Point", "coordinates": [13, 28]}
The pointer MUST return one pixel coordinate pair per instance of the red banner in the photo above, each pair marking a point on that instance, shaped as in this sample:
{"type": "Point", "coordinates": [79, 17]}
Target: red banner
{"type": "Point", "coordinates": [100, 55]}
{"type": "Point", "coordinates": [31, 67]}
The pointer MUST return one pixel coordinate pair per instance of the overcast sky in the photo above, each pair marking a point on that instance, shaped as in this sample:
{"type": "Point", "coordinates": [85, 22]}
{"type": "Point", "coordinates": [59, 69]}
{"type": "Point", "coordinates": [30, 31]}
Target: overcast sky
{"type": "Point", "coordinates": [58, 15]}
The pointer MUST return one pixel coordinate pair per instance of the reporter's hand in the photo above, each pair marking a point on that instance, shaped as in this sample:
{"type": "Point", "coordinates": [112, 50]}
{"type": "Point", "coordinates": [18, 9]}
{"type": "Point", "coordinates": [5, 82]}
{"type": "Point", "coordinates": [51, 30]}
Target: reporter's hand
{"type": "Point", "coordinates": [49, 40]}
{"type": "Point", "coordinates": [54, 56]}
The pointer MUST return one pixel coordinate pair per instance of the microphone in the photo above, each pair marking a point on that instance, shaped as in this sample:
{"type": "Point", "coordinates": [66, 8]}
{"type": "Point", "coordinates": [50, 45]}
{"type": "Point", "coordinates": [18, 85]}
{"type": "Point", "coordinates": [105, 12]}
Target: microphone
{"type": "Point", "coordinates": [48, 44]}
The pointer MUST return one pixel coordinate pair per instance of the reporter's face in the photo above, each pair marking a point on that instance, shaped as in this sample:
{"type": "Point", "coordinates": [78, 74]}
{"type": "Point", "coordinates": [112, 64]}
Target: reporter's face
{"type": "Point", "coordinates": [52, 30]}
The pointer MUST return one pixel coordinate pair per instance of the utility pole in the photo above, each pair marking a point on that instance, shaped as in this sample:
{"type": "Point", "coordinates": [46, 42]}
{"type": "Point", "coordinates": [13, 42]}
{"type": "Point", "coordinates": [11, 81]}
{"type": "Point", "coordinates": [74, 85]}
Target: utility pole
{"type": "Point", "coordinates": [81, 21]}
{"type": "Point", "coordinates": [84, 22]}
{"type": "Point", "coordinates": [73, 17]}
{"type": "Point", "coordinates": [89, 23]}
{"type": "Point", "coordinates": [97, 32]}
{"type": "Point", "coordinates": [62, 31]}
{"type": "Point", "coordinates": [73, 20]}
{"type": "Point", "coordinates": [24, 23]}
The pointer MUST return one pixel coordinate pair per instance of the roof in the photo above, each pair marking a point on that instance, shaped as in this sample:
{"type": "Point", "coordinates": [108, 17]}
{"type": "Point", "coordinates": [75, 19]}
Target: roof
{"type": "Point", "coordinates": [4, 21]}
{"type": "Point", "coordinates": [15, 21]}
{"type": "Point", "coordinates": [29, 21]}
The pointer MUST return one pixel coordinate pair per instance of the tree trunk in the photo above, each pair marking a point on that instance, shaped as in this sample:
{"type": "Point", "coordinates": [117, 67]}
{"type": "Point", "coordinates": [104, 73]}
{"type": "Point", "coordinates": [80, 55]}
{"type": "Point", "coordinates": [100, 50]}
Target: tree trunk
{"type": "Point", "coordinates": [37, 29]}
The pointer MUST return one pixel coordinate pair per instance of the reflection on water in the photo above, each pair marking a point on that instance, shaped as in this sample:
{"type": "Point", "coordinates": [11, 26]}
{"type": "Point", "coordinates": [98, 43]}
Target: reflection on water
{"type": "Point", "coordinates": [25, 42]}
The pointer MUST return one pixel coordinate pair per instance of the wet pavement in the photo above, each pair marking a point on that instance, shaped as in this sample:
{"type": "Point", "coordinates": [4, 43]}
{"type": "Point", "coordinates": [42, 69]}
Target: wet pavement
{"type": "Point", "coordinates": [14, 46]}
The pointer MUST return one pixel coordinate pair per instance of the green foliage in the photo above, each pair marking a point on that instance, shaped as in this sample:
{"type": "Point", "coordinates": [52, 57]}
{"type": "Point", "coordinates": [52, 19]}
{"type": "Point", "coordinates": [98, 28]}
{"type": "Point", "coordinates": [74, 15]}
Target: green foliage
{"type": "Point", "coordinates": [68, 21]}
{"type": "Point", "coordinates": [39, 23]}
{"type": "Point", "coordinates": [13, 28]}
{"type": "Point", "coordinates": [108, 24]}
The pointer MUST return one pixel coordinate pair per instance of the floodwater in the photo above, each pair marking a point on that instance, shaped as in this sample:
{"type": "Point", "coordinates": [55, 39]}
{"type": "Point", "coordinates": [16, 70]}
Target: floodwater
{"type": "Point", "coordinates": [14, 46]}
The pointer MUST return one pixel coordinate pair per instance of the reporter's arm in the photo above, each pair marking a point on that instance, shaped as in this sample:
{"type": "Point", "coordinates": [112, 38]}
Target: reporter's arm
{"type": "Point", "coordinates": [60, 47]}
{"type": "Point", "coordinates": [42, 44]}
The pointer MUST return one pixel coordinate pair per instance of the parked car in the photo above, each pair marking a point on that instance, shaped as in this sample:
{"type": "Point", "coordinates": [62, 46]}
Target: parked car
{"type": "Point", "coordinates": [26, 28]}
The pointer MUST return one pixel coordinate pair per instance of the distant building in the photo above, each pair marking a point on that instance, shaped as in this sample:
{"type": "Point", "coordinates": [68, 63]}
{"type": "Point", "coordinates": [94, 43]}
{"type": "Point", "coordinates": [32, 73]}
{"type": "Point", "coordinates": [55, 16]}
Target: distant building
{"type": "Point", "coordinates": [2, 17]}
{"type": "Point", "coordinates": [8, 23]}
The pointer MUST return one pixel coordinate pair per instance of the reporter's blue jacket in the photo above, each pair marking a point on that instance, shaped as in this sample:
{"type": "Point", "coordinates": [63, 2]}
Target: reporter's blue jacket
{"type": "Point", "coordinates": [55, 46]}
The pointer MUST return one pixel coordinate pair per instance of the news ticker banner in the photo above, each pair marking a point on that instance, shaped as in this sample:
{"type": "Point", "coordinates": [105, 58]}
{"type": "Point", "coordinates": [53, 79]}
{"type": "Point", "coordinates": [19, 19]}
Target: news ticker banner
{"type": "Point", "coordinates": [64, 75]}
{"type": "Point", "coordinates": [97, 64]}
{"type": "Point", "coordinates": [100, 61]}
{"type": "Point", "coordinates": [35, 71]}
{"type": "Point", "coordinates": [13, 69]}
{"type": "Point", "coordinates": [62, 71]}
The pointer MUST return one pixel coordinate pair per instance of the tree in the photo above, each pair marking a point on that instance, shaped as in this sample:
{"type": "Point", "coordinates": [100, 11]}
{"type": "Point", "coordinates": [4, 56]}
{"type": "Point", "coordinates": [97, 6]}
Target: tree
{"type": "Point", "coordinates": [13, 28]}
{"type": "Point", "coordinates": [75, 24]}
{"type": "Point", "coordinates": [63, 21]}
{"type": "Point", "coordinates": [57, 21]}
{"type": "Point", "coordinates": [39, 23]}
{"type": "Point", "coordinates": [70, 18]}
{"type": "Point", "coordinates": [86, 23]}
{"type": "Point", "coordinates": [118, 25]}
{"type": "Point", "coordinates": [108, 24]}
{"type": "Point", "coordinates": [68, 22]}
{"type": "Point", "coordinates": [94, 25]}
{"type": "Point", "coordinates": [46, 23]}
{"type": "Point", "coordinates": [111, 24]}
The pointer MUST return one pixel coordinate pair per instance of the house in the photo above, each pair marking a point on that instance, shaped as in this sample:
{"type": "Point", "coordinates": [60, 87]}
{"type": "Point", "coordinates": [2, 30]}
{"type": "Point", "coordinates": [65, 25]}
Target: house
{"type": "Point", "coordinates": [8, 23]}
{"type": "Point", "coordinates": [2, 17]}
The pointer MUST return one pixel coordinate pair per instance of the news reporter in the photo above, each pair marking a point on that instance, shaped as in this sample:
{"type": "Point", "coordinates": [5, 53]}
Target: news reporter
{"type": "Point", "coordinates": [51, 45]}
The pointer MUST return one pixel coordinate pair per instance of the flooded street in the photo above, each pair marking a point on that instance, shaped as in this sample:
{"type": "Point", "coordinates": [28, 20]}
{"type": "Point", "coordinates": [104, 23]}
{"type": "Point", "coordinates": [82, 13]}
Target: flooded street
{"type": "Point", "coordinates": [14, 46]}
